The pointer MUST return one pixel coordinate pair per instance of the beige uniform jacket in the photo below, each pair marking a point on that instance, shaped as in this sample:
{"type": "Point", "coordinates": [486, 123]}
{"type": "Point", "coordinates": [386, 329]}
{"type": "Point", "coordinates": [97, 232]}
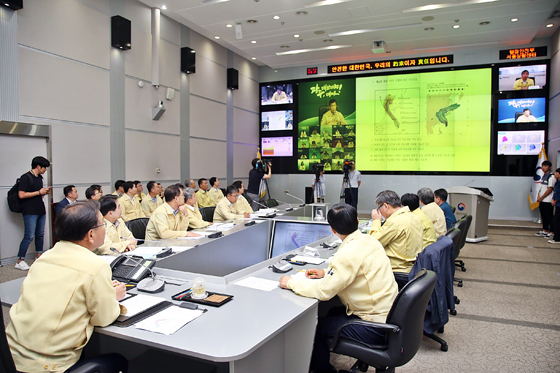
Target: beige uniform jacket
{"type": "Point", "coordinates": [68, 291]}
{"type": "Point", "coordinates": [242, 205]}
{"type": "Point", "coordinates": [164, 224]}
{"type": "Point", "coordinates": [204, 199]}
{"type": "Point", "coordinates": [401, 236]}
{"type": "Point", "coordinates": [437, 216]}
{"type": "Point", "coordinates": [216, 194]}
{"type": "Point", "coordinates": [148, 205]}
{"type": "Point", "coordinates": [224, 211]}
{"type": "Point", "coordinates": [113, 238]}
{"type": "Point", "coordinates": [360, 274]}
{"type": "Point", "coordinates": [332, 119]}
{"type": "Point", "coordinates": [429, 235]}
{"type": "Point", "coordinates": [130, 211]}
{"type": "Point", "coordinates": [195, 218]}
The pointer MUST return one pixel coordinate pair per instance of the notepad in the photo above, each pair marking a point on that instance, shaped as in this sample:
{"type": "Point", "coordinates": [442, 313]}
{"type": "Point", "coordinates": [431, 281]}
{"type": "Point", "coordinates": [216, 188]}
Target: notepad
{"type": "Point", "coordinates": [257, 283]}
{"type": "Point", "coordinates": [308, 259]}
{"type": "Point", "coordinates": [137, 304]}
{"type": "Point", "coordinates": [169, 320]}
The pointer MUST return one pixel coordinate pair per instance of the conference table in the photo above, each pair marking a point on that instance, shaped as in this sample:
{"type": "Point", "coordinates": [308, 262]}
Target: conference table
{"type": "Point", "coordinates": [257, 331]}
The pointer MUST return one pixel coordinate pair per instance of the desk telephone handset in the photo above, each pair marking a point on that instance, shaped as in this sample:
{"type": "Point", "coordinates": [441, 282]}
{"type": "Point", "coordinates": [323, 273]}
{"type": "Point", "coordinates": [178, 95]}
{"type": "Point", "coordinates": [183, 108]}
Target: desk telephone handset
{"type": "Point", "coordinates": [131, 268]}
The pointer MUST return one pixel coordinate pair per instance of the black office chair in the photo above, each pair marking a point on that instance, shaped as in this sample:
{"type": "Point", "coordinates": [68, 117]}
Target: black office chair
{"type": "Point", "coordinates": [463, 225]}
{"type": "Point", "coordinates": [456, 235]}
{"type": "Point", "coordinates": [138, 227]}
{"type": "Point", "coordinates": [403, 327]}
{"type": "Point", "coordinates": [272, 203]}
{"type": "Point", "coordinates": [208, 213]}
{"type": "Point", "coordinates": [453, 208]}
{"type": "Point", "coordinates": [7, 364]}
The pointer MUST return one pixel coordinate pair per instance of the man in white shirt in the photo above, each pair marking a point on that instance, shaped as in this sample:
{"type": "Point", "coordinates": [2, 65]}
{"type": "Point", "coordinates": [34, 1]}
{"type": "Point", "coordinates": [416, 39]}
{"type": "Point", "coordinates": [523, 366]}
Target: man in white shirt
{"type": "Point", "coordinates": [319, 187]}
{"type": "Point", "coordinates": [545, 200]}
{"type": "Point", "coordinates": [352, 184]}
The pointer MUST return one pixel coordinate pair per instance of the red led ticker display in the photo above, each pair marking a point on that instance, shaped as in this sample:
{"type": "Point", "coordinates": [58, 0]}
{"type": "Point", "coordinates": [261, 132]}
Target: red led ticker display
{"type": "Point", "coordinates": [311, 71]}
{"type": "Point", "coordinates": [519, 53]}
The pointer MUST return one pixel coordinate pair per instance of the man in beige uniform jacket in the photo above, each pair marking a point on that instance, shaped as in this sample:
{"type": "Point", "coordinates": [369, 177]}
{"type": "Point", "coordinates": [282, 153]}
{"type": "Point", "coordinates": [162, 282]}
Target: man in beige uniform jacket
{"type": "Point", "coordinates": [242, 205]}
{"type": "Point", "coordinates": [360, 274]}
{"type": "Point", "coordinates": [118, 238]}
{"type": "Point", "coordinates": [152, 201]}
{"type": "Point", "coordinates": [68, 291]}
{"type": "Point", "coordinates": [224, 209]}
{"type": "Point", "coordinates": [130, 204]}
{"type": "Point", "coordinates": [203, 196]}
{"type": "Point", "coordinates": [195, 218]}
{"type": "Point", "coordinates": [215, 191]}
{"type": "Point", "coordinates": [413, 203]}
{"type": "Point", "coordinates": [432, 209]}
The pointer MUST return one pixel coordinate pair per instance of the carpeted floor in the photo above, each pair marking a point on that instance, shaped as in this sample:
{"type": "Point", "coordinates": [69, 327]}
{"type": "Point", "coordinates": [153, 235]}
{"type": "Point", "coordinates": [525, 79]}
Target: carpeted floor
{"type": "Point", "coordinates": [509, 316]}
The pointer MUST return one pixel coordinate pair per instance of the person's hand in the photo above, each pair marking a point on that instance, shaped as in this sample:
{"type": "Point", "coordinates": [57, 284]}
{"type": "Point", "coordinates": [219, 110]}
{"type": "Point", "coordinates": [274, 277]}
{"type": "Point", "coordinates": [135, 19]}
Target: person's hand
{"type": "Point", "coordinates": [315, 273]}
{"type": "Point", "coordinates": [130, 247]}
{"type": "Point", "coordinates": [120, 289]}
{"type": "Point", "coordinates": [184, 210]}
{"type": "Point", "coordinates": [284, 281]}
{"type": "Point", "coordinates": [133, 241]}
{"type": "Point", "coordinates": [192, 234]}
{"type": "Point", "coordinates": [376, 215]}
{"type": "Point", "coordinates": [246, 215]}
{"type": "Point", "coordinates": [553, 202]}
{"type": "Point", "coordinates": [44, 191]}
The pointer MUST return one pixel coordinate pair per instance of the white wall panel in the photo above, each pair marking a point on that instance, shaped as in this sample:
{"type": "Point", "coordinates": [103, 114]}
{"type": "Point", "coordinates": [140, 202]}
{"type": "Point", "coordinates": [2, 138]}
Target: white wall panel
{"type": "Point", "coordinates": [248, 95]}
{"type": "Point", "coordinates": [101, 5]}
{"type": "Point", "coordinates": [169, 65]}
{"type": "Point", "coordinates": [66, 28]}
{"type": "Point", "coordinates": [555, 64]}
{"type": "Point", "coordinates": [170, 30]}
{"type": "Point", "coordinates": [140, 15]}
{"type": "Point", "coordinates": [242, 157]}
{"type": "Point", "coordinates": [208, 119]}
{"type": "Point", "coordinates": [138, 108]}
{"type": "Point", "coordinates": [57, 88]}
{"type": "Point", "coordinates": [245, 127]}
{"type": "Point", "coordinates": [208, 49]}
{"type": "Point", "coordinates": [208, 158]}
{"type": "Point", "coordinates": [138, 59]}
{"type": "Point", "coordinates": [145, 152]}
{"type": "Point", "coordinates": [246, 67]}
{"type": "Point", "coordinates": [210, 80]}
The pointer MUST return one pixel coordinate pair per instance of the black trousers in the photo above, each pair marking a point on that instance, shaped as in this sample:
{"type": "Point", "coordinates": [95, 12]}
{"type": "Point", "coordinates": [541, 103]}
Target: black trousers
{"type": "Point", "coordinates": [351, 197]}
{"type": "Point", "coordinates": [556, 223]}
{"type": "Point", "coordinates": [547, 213]}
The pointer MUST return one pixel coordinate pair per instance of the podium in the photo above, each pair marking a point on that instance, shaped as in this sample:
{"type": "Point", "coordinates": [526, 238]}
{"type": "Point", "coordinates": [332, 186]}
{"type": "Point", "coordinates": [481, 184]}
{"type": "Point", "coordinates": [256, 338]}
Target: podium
{"type": "Point", "coordinates": [475, 202]}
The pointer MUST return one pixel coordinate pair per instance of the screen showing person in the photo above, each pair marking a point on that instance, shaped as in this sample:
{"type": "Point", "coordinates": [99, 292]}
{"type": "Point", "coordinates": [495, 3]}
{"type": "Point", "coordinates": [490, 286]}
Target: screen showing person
{"type": "Point", "coordinates": [522, 110]}
{"type": "Point", "coordinates": [514, 78]}
{"type": "Point", "coordinates": [274, 94]}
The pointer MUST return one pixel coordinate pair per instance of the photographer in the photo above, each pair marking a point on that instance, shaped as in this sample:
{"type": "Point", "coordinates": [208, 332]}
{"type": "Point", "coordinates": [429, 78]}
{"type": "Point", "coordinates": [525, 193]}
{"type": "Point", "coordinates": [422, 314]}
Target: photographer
{"type": "Point", "coordinates": [318, 184]}
{"type": "Point", "coordinates": [261, 171]}
{"type": "Point", "coordinates": [352, 181]}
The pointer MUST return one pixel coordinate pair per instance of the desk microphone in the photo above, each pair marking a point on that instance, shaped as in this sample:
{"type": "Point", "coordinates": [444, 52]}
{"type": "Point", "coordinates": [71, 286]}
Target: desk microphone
{"type": "Point", "coordinates": [469, 182]}
{"type": "Point", "coordinates": [149, 285]}
{"type": "Point", "coordinates": [262, 205]}
{"type": "Point", "coordinates": [299, 199]}
{"type": "Point", "coordinates": [287, 208]}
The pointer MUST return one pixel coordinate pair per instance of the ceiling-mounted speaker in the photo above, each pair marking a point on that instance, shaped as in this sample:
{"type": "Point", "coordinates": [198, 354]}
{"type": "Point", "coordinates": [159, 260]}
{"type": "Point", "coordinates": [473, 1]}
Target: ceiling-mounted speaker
{"type": "Point", "coordinates": [232, 79]}
{"type": "Point", "coordinates": [188, 60]}
{"type": "Point", "coordinates": [12, 4]}
{"type": "Point", "coordinates": [121, 30]}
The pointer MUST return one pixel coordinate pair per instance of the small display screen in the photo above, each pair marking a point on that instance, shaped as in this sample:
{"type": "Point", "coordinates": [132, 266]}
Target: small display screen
{"type": "Point", "coordinates": [277, 120]}
{"type": "Point", "coordinates": [288, 236]}
{"type": "Point", "coordinates": [520, 142]}
{"type": "Point", "coordinates": [522, 110]}
{"type": "Point", "coordinates": [277, 146]}
{"type": "Point", "coordinates": [275, 94]}
{"type": "Point", "coordinates": [522, 77]}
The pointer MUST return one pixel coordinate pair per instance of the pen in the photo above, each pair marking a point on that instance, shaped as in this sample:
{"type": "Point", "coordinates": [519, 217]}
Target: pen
{"type": "Point", "coordinates": [300, 270]}
{"type": "Point", "coordinates": [129, 285]}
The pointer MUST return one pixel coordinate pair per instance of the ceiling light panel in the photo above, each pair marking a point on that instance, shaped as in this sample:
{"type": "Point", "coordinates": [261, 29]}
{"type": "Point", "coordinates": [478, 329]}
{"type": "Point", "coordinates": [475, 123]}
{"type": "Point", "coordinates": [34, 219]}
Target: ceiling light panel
{"type": "Point", "coordinates": [363, 31]}
{"type": "Point", "coordinates": [446, 5]}
{"type": "Point", "coordinates": [299, 51]}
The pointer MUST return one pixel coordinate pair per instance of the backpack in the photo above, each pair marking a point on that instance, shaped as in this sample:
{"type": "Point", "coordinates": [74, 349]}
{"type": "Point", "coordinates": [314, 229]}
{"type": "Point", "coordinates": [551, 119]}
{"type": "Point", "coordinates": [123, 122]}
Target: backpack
{"type": "Point", "coordinates": [14, 202]}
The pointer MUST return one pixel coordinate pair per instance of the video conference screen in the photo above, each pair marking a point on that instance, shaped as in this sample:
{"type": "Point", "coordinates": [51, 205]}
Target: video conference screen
{"type": "Point", "coordinates": [522, 77]}
{"type": "Point", "coordinates": [277, 146]}
{"type": "Point", "coordinates": [522, 110]}
{"type": "Point", "coordinates": [277, 120]}
{"type": "Point", "coordinates": [432, 121]}
{"type": "Point", "coordinates": [276, 94]}
{"type": "Point", "coordinates": [520, 142]}
{"type": "Point", "coordinates": [289, 236]}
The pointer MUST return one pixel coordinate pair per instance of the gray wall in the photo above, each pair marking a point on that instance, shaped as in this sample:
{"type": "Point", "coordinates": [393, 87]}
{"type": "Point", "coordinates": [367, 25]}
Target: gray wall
{"type": "Point", "coordinates": [554, 103]}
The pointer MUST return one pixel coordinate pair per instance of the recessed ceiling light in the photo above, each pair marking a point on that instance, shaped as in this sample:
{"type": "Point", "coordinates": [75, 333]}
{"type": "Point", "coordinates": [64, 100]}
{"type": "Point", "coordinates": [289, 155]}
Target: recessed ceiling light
{"type": "Point", "coordinates": [427, 18]}
{"type": "Point", "coordinates": [456, 26]}
{"type": "Point", "coordinates": [301, 13]}
{"type": "Point", "coordinates": [429, 29]}
{"type": "Point", "coordinates": [296, 35]}
{"type": "Point", "coordinates": [229, 25]}
{"type": "Point", "coordinates": [253, 58]}
{"type": "Point", "coordinates": [216, 37]}
{"type": "Point", "coordinates": [319, 32]}
{"type": "Point", "coordinates": [276, 17]}
{"type": "Point", "coordinates": [164, 7]}
{"type": "Point", "coordinates": [514, 19]}
{"type": "Point", "coordinates": [252, 21]}
{"type": "Point", "coordinates": [253, 42]}
{"type": "Point", "coordinates": [484, 23]}
{"type": "Point", "coordinates": [550, 25]}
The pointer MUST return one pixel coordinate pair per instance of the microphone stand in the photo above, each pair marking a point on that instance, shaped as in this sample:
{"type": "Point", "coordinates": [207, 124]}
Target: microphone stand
{"type": "Point", "coordinates": [299, 199]}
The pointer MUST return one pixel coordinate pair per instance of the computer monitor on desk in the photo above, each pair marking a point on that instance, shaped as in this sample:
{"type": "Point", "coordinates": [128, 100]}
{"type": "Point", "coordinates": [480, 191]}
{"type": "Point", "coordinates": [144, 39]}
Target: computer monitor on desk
{"type": "Point", "coordinates": [287, 236]}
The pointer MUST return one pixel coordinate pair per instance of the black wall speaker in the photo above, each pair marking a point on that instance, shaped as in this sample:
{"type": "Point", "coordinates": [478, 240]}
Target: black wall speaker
{"type": "Point", "coordinates": [188, 60]}
{"type": "Point", "coordinates": [12, 4]}
{"type": "Point", "coordinates": [232, 79]}
{"type": "Point", "coordinates": [121, 29]}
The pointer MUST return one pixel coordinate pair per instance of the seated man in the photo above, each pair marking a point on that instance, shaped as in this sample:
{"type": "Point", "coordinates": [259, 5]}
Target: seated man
{"type": "Point", "coordinates": [431, 209]}
{"type": "Point", "coordinates": [189, 183]}
{"type": "Point", "coordinates": [215, 192]}
{"type": "Point", "coordinates": [400, 235]}
{"type": "Point", "coordinates": [413, 203]}
{"type": "Point", "coordinates": [152, 201]}
{"type": "Point", "coordinates": [170, 220]}
{"type": "Point", "coordinates": [203, 196]}
{"type": "Point", "coordinates": [360, 274]}
{"type": "Point", "coordinates": [139, 190]}
{"type": "Point", "coordinates": [195, 217]}
{"type": "Point", "coordinates": [119, 191]}
{"type": "Point", "coordinates": [70, 194]}
{"type": "Point", "coordinates": [130, 205]}
{"type": "Point", "coordinates": [224, 209]}
{"type": "Point", "coordinates": [242, 205]}
{"type": "Point", "coordinates": [118, 238]}
{"type": "Point", "coordinates": [68, 291]}
{"type": "Point", "coordinates": [440, 198]}
{"type": "Point", "coordinates": [94, 192]}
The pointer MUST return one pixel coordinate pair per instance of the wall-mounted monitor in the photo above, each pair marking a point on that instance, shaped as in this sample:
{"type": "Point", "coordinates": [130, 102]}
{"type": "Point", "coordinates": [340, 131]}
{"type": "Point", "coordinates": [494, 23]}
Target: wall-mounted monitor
{"type": "Point", "coordinates": [277, 146]}
{"type": "Point", "coordinates": [277, 120]}
{"type": "Point", "coordinates": [515, 78]}
{"type": "Point", "coordinates": [522, 110]}
{"type": "Point", "coordinates": [287, 236]}
{"type": "Point", "coordinates": [520, 142]}
{"type": "Point", "coordinates": [276, 94]}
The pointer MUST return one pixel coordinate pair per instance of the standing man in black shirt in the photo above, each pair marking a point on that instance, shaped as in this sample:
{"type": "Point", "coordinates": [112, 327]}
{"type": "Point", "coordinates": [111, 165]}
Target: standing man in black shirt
{"type": "Point", "coordinates": [257, 173]}
{"type": "Point", "coordinates": [31, 193]}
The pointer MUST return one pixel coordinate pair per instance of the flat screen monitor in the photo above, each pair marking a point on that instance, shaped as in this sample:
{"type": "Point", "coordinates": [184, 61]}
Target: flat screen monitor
{"type": "Point", "coordinates": [287, 236]}
{"type": "Point", "coordinates": [520, 142]}
{"type": "Point", "coordinates": [277, 94]}
{"type": "Point", "coordinates": [535, 79]}
{"type": "Point", "coordinates": [277, 146]}
{"type": "Point", "coordinates": [282, 120]}
{"type": "Point", "coordinates": [522, 110]}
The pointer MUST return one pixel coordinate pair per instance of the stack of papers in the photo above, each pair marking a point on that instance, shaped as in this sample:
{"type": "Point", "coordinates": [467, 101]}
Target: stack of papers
{"type": "Point", "coordinates": [146, 252]}
{"type": "Point", "coordinates": [137, 304]}
{"type": "Point", "coordinates": [308, 259]}
{"type": "Point", "coordinates": [169, 320]}
{"type": "Point", "coordinates": [220, 227]}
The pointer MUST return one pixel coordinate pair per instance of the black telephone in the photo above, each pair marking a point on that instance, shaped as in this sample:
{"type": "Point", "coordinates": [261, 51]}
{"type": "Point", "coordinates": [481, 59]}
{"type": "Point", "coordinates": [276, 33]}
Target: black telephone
{"type": "Point", "coordinates": [131, 268]}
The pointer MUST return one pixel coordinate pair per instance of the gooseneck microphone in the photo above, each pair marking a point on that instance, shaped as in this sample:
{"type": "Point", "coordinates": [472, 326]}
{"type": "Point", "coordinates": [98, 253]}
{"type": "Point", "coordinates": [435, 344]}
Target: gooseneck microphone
{"type": "Point", "coordinates": [299, 199]}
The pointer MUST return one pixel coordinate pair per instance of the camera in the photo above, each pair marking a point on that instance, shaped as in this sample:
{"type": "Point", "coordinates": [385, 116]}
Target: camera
{"type": "Point", "coordinates": [318, 167]}
{"type": "Point", "coordinates": [262, 165]}
{"type": "Point", "coordinates": [347, 166]}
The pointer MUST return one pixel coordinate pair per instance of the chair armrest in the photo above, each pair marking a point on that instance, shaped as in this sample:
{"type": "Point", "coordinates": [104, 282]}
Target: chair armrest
{"type": "Point", "coordinates": [90, 367]}
{"type": "Point", "coordinates": [370, 324]}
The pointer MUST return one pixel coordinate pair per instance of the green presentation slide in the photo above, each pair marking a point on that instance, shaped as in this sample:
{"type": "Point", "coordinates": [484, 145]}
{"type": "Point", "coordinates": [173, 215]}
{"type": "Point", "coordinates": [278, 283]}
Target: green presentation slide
{"type": "Point", "coordinates": [436, 121]}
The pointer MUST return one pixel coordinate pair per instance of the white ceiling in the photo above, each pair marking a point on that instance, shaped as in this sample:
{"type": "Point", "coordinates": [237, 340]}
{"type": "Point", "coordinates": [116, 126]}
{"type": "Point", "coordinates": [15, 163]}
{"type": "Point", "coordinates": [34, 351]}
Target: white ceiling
{"type": "Point", "coordinates": [403, 32]}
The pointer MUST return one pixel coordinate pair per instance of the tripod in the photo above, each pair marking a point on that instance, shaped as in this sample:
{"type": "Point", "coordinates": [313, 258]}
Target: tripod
{"type": "Point", "coordinates": [318, 191]}
{"type": "Point", "coordinates": [346, 191]}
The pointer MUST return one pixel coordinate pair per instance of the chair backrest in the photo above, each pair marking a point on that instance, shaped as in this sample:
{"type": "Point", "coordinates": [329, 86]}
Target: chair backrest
{"type": "Point", "coordinates": [464, 225]}
{"type": "Point", "coordinates": [408, 312]}
{"type": "Point", "coordinates": [272, 203]}
{"type": "Point", "coordinates": [455, 234]}
{"type": "Point", "coordinates": [138, 227]}
{"type": "Point", "coordinates": [208, 213]}
{"type": "Point", "coordinates": [6, 360]}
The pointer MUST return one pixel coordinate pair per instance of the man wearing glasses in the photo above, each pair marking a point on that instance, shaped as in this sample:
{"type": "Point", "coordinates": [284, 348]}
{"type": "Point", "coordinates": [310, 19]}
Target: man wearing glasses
{"type": "Point", "coordinates": [225, 209]}
{"type": "Point", "coordinates": [118, 238]}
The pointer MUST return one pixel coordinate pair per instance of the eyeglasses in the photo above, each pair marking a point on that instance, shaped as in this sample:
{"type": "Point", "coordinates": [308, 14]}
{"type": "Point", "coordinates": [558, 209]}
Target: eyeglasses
{"type": "Point", "coordinates": [100, 225]}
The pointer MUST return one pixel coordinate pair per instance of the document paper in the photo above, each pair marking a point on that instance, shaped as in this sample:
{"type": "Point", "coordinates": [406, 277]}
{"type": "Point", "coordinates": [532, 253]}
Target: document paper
{"type": "Point", "coordinates": [169, 320]}
{"type": "Point", "coordinates": [258, 283]}
{"type": "Point", "coordinates": [139, 303]}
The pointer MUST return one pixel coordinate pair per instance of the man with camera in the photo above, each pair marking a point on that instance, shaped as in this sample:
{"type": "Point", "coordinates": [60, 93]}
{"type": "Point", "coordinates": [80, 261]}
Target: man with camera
{"type": "Point", "coordinates": [352, 181]}
{"type": "Point", "coordinates": [261, 171]}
